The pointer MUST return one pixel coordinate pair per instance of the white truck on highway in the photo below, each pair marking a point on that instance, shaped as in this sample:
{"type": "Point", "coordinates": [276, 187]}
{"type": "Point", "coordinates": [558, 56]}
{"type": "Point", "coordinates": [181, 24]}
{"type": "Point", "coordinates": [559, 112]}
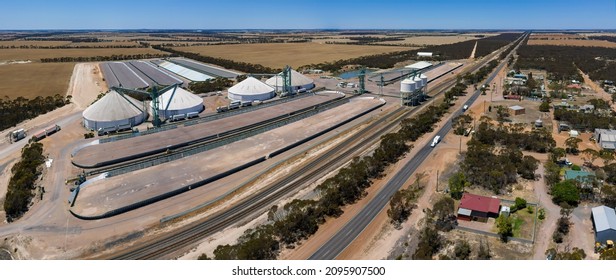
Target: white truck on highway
{"type": "Point", "coordinates": [435, 141]}
{"type": "Point", "coordinates": [18, 135]}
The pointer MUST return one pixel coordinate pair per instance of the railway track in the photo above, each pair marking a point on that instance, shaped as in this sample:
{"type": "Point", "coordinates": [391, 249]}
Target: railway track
{"type": "Point", "coordinates": [178, 240]}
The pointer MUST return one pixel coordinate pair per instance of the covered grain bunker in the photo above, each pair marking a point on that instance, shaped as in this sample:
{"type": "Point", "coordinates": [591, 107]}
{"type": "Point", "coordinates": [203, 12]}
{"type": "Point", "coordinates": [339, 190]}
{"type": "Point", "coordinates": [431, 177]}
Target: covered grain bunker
{"type": "Point", "coordinates": [298, 81]}
{"type": "Point", "coordinates": [113, 110]}
{"type": "Point", "coordinates": [251, 89]}
{"type": "Point", "coordinates": [178, 101]}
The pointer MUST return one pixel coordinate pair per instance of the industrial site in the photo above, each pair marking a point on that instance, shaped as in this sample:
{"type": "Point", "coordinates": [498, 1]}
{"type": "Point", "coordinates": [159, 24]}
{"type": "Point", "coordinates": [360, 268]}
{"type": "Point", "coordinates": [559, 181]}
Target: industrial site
{"type": "Point", "coordinates": [307, 145]}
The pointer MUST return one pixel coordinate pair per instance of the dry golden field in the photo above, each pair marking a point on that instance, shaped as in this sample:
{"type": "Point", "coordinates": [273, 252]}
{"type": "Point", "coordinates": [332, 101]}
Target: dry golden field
{"type": "Point", "coordinates": [18, 43]}
{"type": "Point", "coordinates": [573, 42]}
{"type": "Point", "coordinates": [292, 54]}
{"type": "Point", "coordinates": [36, 54]}
{"type": "Point", "coordinates": [436, 40]}
{"type": "Point", "coordinates": [555, 36]}
{"type": "Point", "coordinates": [34, 79]}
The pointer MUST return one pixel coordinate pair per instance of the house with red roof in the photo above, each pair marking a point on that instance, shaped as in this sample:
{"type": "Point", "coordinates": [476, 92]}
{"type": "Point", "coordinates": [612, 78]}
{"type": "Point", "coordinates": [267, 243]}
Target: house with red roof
{"type": "Point", "coordinates": [478, 208]}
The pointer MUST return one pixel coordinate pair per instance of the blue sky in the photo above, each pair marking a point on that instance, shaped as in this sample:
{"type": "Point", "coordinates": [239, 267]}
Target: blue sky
{"type": "Point", "coordinates": [309, 14]}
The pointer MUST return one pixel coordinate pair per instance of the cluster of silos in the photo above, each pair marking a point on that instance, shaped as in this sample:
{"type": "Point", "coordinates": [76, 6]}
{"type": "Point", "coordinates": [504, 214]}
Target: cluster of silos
{"type": "Point", "coordinates": [414, 83]}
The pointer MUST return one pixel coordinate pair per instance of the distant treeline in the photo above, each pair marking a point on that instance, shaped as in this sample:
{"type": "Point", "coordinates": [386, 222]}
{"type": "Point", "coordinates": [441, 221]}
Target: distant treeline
{"type": "Point", "coordinates": [210, 85]}
{"type": "Point", "coordinates": [72, 47]}
{"type": "Point", "coordinates": [23, 181]}
{"type": "Point", "coordinates": [20, 109]}
{"type": "Point", "coordinates": [464, 49]}
{"type": "Point", "coordinates": [604, 38]}
{"type": "Point", "coordinates": [562, 62]}
{"type": "Point", "coordinates": [225, 63]}
{"type": "Point", "coordinates": [105, 58]}
{"type": "Point", "coordinates": [71, 39]}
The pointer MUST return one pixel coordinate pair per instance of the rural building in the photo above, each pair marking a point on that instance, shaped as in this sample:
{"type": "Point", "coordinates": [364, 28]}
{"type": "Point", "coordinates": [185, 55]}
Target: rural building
{"type": "Point", "coordinates": [604, 224]}
{"type": "Point", "coordinates": [251, 89]}
{"type": "Point", "coordinates": [424, 54]}
{"type": "Point", "coordinates": [520, 76]}
{"type": "Point", "coordinates": [478, 208]}
{"type": "Point", "coordinates": [178, 101]}
{"type": "Point", "coordinates": [515, 81]}
{"type": "Point", "coordinates": [587, 108]}
{"type": "Point", "coordinates": [574, 133]}
{"type": "Point", "coordinates": [112, 110]}
{"type": "Point", "coordinates": [298, 81]}
{"type": "Point", "coordinates": [606, 138]}
{"type": "Point", "coordinates": [516, 110]}
{"type": "Point", "coordinates": [585, 178]}
{"type": "Point", "coordinates": [419, 65]}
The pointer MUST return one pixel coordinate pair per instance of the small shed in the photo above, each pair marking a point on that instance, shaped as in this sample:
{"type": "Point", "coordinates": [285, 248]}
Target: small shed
{"type": "Point", "coordinates": [516, 110]}
{"type": "Point", "coordinates": [505, 211]}
{"type": "Point", "coordinates": [424, 54]}
{"type": "Point", "coordinates": [604, 224]}
{"type": "Point", "coordinates": [574, 133]}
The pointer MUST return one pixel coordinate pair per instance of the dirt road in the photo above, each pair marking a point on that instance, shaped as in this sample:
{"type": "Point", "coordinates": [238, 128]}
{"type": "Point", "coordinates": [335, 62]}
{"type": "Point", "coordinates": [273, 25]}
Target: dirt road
{"type": "Point", "coordinates": [552, 213]}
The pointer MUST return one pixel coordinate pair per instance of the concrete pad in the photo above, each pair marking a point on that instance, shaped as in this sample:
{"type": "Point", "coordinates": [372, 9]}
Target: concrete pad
{"type": "Point", "coordinates": [112, 193]}
{"type": "Point", "coordinates": [127, 149]}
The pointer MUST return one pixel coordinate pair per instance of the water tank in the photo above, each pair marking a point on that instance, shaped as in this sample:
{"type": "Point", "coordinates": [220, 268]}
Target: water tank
{"type": "Point", "coordinates": [419, 82]}
{"type": "Point", "coordinates": [424, 79]}
{"type": "Point", "coordinates": [407, 85]}
{"type": "Point", "coordinates": [538, 123]}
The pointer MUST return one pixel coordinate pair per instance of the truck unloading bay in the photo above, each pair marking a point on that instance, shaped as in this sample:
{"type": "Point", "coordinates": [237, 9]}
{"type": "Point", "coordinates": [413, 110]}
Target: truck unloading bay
{"type": "Point", "coordinates": [112, 193]}
{"type": "Point", "coordinates": [93, 156]}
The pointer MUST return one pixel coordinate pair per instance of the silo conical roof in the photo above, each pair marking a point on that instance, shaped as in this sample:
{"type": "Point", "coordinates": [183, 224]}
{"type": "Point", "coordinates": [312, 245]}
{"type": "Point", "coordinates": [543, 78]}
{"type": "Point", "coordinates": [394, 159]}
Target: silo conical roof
{"type": "Point", "coordinates": [250, 86]}
{"type": "Point", "coordinates": [177, 98]}
{"type": "Point", "coordinates": [297, 79]}
{"type": "Point", "coordinates": [112, 107]}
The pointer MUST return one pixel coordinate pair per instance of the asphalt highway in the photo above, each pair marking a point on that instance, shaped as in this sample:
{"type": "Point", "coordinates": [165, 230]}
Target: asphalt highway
{"type": "Point", "coordinates": [336, 245]}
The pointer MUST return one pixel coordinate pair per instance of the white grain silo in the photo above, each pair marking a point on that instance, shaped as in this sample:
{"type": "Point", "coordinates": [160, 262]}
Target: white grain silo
{"type": "Point", "coordinates": [408, 85]}
{"type": "Point", "coordinates": [298, 81]}
{"type": "Point", "coordinates": [424, 79]}
{"type": "Point", "coordinates": [178, 101]}
{"type": "Point", "coordinates": [112, 110]}
{"type": "Point", "coordinates": [251, 89]}
{"type": "Point", "coordinates": [418, 81]}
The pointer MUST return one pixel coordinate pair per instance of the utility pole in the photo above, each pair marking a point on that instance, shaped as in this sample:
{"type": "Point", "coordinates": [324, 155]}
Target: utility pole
{"type": "Point", "coordinates": [460, 144]}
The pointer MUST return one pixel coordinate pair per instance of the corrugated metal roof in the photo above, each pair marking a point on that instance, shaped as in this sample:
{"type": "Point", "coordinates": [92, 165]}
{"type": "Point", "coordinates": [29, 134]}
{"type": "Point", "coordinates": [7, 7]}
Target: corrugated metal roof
{"type": "Point", "coordinates": [419, 65]}
{"type": "Point", "coordinates": [604, 218]}
{"type": "Point", "coordinates": [575, 174]}
{"type": "Point", "coordinates": [185, 72]}
{"type": "Point", "coordinates": [463, 211]}
{"type": "Point", "coordinates": [480, 203]}
{"type": "Point", "coordinates": [516, 107]}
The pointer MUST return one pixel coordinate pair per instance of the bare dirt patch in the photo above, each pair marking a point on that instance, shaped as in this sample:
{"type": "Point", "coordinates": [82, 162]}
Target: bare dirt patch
{"type": "Point", "coordinates": [293, 54]}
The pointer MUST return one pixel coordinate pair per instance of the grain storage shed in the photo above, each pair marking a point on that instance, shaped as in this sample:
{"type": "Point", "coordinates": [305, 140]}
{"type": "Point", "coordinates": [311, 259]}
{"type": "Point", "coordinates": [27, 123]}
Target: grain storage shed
{"type": "Point", "coordinates": [251, 89]}
{"type": "Point", "coordinates": [112, 110]}
{"type": "Point", "coordinates": [298, 81]}
{"type": "Point", "coordinates": [178, 101]}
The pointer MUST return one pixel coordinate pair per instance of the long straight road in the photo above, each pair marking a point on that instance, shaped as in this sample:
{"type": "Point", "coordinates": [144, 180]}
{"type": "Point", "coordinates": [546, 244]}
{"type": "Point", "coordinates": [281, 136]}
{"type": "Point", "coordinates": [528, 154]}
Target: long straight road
{"type": "Point", "coordinates": [333, 247]}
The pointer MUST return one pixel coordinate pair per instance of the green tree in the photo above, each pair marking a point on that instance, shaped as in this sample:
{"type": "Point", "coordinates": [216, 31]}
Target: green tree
{"type": "Point", "coordinates": [504, 224]}
{"type": "Point", "coordinates": [572, 144]}
{"type": "Point", "coordinates": [462, 250]}
{"type": "Point", "coordinates": [557, 153]}
{"type": "Point", "coordinates": [544, 107]}
{"type": "Point", "coordinates": [484, 251]}
{"type": "Point", "coordinates": [502, 113]}
{"type": "Point", "coordinates": [565, 191]}
{"type": "Point", "coordinates": [608, 254]}
{"type": "Point", "coordinates": [457, 184]}
{"type": "Point", "coordinates": [589, 155]}
{"type": "Point", "coordinates": [519, 204]}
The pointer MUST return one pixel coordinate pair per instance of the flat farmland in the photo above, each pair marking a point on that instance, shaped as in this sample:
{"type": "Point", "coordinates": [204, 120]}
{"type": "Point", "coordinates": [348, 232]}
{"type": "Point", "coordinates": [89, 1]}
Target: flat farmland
{"type": "Point", "coordinates": [555, 36]}
{"type": "Point", "coordinates": [292, 54]}
{"type": "Point", "coordinates": [437, 40]}
{"type": "Point", "coordinates": [34, 79]}
{"type": "Point", "coordinates": [573, 42]}
{"type": "Point", "coordinates": [19, 43]}
{"type": "Point", "coordinates": [36, 54]}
